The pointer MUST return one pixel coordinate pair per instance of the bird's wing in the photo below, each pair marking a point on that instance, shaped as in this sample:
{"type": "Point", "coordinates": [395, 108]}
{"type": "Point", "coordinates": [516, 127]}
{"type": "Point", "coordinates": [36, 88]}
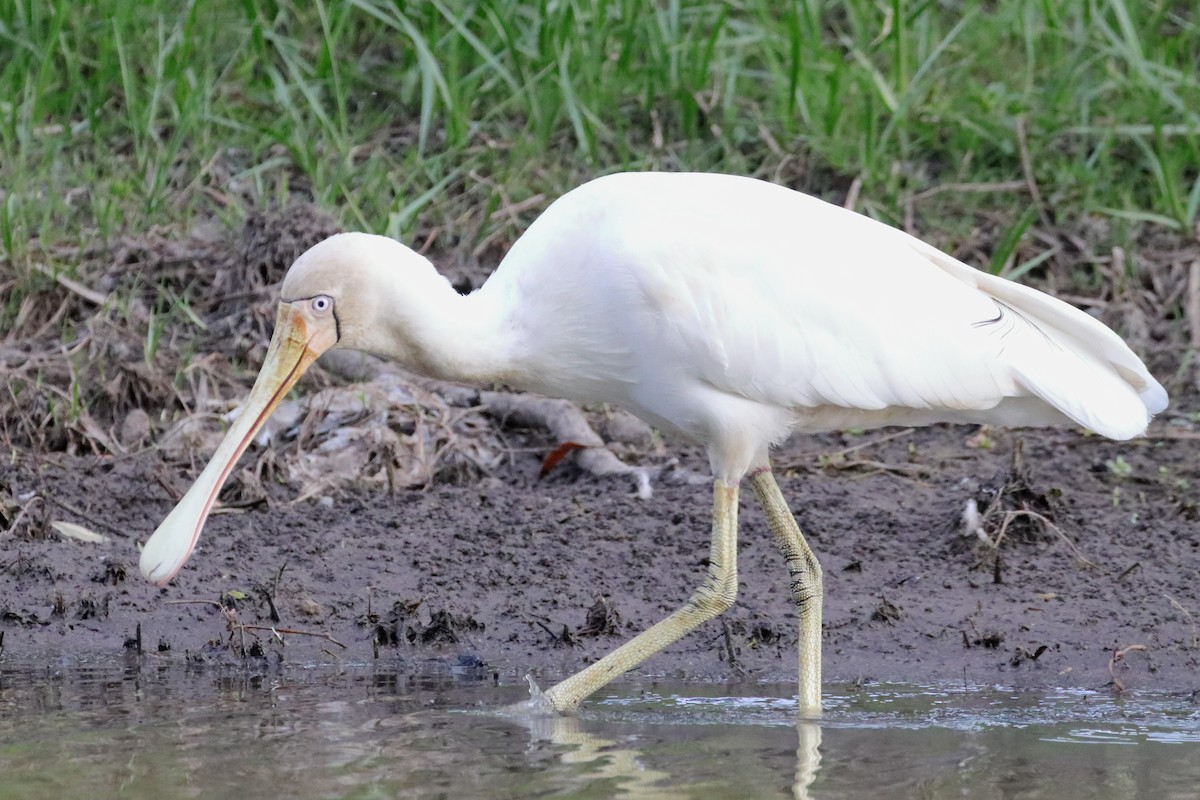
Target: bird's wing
{"type": "Point", "coordinates": [857, 329]}
{"type": "Point", "coordinates": [847, 312]}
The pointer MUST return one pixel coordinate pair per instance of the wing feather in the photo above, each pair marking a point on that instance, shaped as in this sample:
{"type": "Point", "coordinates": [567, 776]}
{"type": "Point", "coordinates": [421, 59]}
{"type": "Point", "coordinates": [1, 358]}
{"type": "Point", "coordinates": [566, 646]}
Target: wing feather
{"type": "Point", "coordinates": [793, 302]}
{"type": "Point", "coordinates": [701, 294]}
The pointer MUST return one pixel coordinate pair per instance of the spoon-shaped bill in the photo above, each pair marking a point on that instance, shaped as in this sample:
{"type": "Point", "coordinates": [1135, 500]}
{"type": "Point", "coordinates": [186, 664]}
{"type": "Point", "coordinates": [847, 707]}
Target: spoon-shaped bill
{"type": "Point", "coordinates": [292, 350]}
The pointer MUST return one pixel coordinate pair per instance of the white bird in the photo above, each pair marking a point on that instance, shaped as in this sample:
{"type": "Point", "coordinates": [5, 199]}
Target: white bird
{"type": "Point", "coordinates": [726, 310]}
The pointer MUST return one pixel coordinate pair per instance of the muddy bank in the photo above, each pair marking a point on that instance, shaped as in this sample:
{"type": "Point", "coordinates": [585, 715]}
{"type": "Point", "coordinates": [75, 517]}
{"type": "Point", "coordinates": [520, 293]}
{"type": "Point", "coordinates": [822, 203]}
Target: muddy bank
{"type": "Point", "coordinates": [1099, 550]}
{"type": "Point", "coordinates": [400, 523]}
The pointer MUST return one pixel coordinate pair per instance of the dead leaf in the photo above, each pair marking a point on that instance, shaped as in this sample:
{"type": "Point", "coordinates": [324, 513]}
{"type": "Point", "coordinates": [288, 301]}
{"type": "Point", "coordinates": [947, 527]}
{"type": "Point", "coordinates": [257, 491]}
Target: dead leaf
{"type": "Point", "coordinates": [77, 532]}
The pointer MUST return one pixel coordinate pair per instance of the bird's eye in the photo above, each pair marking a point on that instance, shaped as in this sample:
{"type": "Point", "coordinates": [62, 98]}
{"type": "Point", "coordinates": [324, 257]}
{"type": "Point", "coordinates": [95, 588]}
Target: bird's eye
{"type": "Point", "coordinates": [322, 304]}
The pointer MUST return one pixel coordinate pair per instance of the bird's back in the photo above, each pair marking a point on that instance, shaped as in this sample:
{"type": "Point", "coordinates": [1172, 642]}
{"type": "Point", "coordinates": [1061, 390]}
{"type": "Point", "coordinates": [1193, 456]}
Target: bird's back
{"type": "Point", "coordinates": [695, 298]}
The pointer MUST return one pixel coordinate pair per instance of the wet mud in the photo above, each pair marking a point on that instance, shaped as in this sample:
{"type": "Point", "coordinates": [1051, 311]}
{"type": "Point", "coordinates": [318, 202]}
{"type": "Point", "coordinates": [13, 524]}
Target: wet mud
{"type": "Point", "coordinates": [392, 521]}
{"type": "Point", "coordinates": [1078, 569]}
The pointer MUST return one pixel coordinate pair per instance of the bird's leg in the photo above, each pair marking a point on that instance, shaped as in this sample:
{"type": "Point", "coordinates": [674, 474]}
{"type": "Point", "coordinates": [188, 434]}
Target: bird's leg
{"type": "Point", "coordinates": [808, 589]}
{"type": "Point", "coordinates": [716, 594]}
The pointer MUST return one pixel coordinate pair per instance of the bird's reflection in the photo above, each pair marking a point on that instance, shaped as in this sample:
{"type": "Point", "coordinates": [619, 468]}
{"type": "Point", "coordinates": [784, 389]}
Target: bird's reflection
{"type": "Point", "coordinates": [808, 756]}
{"type": "Point", "coordinates": [625, 765]}
{"type": "Point", "coordinates": [612, 760]}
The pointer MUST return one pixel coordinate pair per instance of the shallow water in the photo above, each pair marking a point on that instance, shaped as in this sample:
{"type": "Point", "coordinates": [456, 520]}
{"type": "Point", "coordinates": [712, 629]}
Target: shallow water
{"type": "Point", "coordinates": [118, 730]}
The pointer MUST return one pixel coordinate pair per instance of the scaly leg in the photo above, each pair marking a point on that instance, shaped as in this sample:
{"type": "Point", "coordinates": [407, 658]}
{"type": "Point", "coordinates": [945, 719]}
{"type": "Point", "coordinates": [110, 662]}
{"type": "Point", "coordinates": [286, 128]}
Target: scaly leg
{"type": "Point", "coordinates": [808, 588]}
{"type": "Point", "coordinates": [716, 594]}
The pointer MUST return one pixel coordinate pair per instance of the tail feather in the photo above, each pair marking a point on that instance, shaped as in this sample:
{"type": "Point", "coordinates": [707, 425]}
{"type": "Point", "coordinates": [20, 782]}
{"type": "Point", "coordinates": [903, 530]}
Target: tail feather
{"type": "Point", "coordinates": [1091, 394]}
{"type": "Point", "coordinates": [1090, 374]}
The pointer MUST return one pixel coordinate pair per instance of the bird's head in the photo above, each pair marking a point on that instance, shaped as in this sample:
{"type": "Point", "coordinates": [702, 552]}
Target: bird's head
{"type": "Point", "coordinates": [333, 296]}
{"type": "Point", "coordinates": [341, 292]}
{"type": "Point", "coordinates": [358, 291]}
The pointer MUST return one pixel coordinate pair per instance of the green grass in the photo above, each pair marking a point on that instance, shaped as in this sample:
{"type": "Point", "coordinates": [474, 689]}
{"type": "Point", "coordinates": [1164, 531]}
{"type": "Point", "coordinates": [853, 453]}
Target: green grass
{"type": "Point", "coordinates": [414, 117]}
{"type": "Point", "coordinates": [1028, 136]}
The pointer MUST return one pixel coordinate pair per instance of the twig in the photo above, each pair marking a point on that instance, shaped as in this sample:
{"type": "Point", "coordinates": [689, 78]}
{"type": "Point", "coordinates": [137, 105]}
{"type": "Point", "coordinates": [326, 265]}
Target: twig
{"type": "Point", "coordinates": [507, 209]}
{"type": "Point", "coordinates": [1191, 620]}
{"type": "Point", "coordinates": [1159, 434]}
{"type": "Point", "coordinates": [873, 442]}
{"type": "Point", "coordinates": [25, 512]}
{"type": "Point", "coordinates": [512, 209]}
{"type": "Point", "coordinates": [1193, 304]}
{"type": "Point", "coordinates": [1117, 656]}
{"type": "Point", "coordinates": [293, 631]}
{"type": "Point", "coordinates": [92, 521]}
{"type": "Point", "coordinates": [1125, 573]}
{"type": "Point", "coordinates": [905, 470]}
{"type": "Point", "coordinates": [729, 650]}
{"type": "Point", "coordinates": [1027, 168]}
{"type": "Point", "coordinates": [1009, 516]}
{"type": "Point", "coordinates": [564, 638]}
{"type": "Point", "coordinates": [92, 296]}
{"type": "Point", "coordinates": [996, 186]}
{"type": "Point", "coordinates": [236, 626]}
{"type": "Point", "coordinates": [837, 459]}
{"type": "Point", "coordinates": [852, 195]}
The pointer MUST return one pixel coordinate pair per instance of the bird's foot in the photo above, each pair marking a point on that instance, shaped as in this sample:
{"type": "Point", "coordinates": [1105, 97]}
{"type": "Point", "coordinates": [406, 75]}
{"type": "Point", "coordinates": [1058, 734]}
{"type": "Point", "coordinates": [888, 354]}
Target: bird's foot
{"type": "Point", "coordinates": [538, 704]}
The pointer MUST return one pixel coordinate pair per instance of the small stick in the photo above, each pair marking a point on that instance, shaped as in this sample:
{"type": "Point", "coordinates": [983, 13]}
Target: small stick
{"type": "Point", "coordinates": [245, 626]}
{"type": "Point", "coordinates": [852, 195]}
{"type": "Point", "coordinates": [1118, 655]}
{"type": "Point", "coordinates": [1027, 168]}
{"type": "Point", "coordinates": [295, 632]}
{"type": "Point", "coordinates": [91, 521]}
{"type": "Point", "coordinates": [907, 470]}
{"type": "Point", "coordinates": [90, 295]}
{"type": "Point", "coordinates": [729, 651]}
{"type": "Point", "coordinates": [1192, 307]}
{"type": "Point", "coordinates": [1191, 620]}
{"type": "Point", "coordinates": [873, 442]}
{"type": "Point", "coordinates": [996, 186]}
{"type": "Point", "coordinates": [1009, 516]}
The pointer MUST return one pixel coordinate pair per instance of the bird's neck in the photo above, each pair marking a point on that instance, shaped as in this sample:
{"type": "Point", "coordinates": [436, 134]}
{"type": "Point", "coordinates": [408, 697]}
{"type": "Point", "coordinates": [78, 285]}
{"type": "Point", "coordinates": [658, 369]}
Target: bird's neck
{"type": "Point", "coordinates": [459, 338]}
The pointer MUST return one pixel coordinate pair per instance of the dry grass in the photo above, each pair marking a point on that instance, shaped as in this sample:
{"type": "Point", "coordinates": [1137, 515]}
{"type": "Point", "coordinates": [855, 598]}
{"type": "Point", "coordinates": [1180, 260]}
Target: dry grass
{"type": "Point", "coordinates": [1073, 170]}
{"type": "Point", "coordinates": [158, 325]}
{"type": "Point", "coordinates": [208, 302]}
{"type": "Point", "coordinates": [154, 342]}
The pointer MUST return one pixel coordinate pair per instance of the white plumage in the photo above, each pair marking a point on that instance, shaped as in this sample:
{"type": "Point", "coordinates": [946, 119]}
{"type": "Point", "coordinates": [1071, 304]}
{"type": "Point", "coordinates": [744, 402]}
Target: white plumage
{"type": "Point", "coordinates": [725, 309]}
{"type": "Point", "coordinates": [733, 311]}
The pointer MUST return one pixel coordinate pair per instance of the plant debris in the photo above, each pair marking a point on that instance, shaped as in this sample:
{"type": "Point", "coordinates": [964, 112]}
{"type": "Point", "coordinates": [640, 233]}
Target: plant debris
{"type": "Point", "coordinates": [602, 619]}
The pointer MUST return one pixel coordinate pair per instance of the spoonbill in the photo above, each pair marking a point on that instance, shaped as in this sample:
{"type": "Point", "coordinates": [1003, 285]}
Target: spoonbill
{"type": "Point", "coordinates": [723, 309]}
